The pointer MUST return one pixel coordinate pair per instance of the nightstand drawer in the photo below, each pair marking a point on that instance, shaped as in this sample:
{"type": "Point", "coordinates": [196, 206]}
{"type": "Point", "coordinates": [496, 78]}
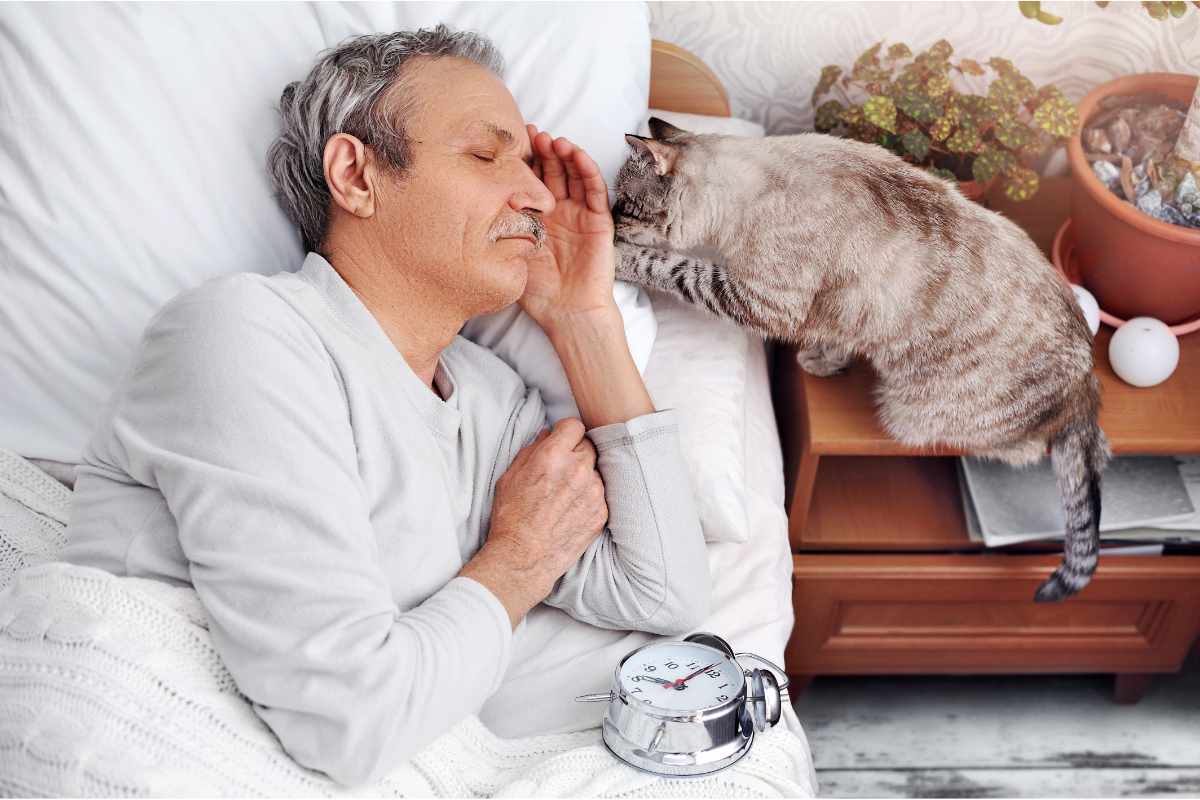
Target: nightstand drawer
{"type": "Point", "coordinates": [894, 614]}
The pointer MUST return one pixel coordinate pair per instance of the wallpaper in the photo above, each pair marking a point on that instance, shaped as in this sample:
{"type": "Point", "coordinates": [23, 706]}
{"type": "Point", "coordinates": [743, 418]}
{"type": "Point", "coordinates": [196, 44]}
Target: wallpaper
{"type": "Point", "coordinates": [769, 54]}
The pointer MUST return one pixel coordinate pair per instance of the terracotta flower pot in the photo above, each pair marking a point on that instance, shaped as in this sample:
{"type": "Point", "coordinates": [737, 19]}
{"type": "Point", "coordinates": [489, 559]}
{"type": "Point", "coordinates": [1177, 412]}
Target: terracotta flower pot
{"type": "Point", "coordinates": [1135, 265]}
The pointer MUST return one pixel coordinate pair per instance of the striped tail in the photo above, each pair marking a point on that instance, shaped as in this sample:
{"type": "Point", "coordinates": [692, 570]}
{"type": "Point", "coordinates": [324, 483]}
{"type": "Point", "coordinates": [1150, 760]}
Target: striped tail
{"type": "Point", "coordinates": [1078, 455]}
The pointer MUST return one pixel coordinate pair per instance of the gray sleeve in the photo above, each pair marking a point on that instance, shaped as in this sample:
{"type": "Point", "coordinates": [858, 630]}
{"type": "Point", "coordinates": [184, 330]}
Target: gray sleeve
{"type": "Point", "coordinates": [235, 412]}
{"type": "Point", "coordinates": [648, 570]}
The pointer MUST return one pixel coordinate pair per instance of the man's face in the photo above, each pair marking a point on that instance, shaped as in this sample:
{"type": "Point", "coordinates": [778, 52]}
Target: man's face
{"type": "Point", "coordinates": [455, 222]}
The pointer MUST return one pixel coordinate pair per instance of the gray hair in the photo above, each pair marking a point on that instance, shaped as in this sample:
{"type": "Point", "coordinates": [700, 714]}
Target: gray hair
{"type": "Point", "coordinates": [360, 88]}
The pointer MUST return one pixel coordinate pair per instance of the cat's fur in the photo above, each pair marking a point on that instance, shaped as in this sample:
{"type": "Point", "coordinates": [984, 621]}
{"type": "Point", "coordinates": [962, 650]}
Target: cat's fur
{"type": "Point", "coordinates": [843, 248]}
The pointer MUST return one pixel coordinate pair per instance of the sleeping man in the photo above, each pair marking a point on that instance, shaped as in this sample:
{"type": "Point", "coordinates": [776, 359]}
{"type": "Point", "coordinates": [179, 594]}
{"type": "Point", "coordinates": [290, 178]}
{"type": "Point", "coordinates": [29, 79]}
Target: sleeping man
{"type": "Point", "coordinates": [367, 504]}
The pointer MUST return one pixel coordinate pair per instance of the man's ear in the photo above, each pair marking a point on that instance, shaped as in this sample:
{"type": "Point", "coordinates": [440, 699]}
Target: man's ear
{"type": "Point", "coordinates": [350, 174]}
{"type": "Point", "coordinates": [663, 130]}
{"type": "Point", "coordinates": [656, 155]}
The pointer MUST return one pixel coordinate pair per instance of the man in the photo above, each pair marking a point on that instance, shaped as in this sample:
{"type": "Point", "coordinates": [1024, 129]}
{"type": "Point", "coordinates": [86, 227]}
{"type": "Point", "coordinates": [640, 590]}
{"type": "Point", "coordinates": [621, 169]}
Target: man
{"type": "Point", "coordinates": [367, 504]}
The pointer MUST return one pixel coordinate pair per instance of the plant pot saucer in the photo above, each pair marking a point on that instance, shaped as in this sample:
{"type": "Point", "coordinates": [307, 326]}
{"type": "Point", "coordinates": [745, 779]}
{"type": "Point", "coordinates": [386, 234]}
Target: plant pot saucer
{"type": "Point", "coordinates": [1062, 256]}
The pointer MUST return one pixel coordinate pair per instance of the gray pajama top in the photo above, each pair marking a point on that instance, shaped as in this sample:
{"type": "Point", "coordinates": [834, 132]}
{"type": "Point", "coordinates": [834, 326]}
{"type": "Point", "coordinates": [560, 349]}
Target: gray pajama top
{"type": "Point", "coordinates": [269, 446]}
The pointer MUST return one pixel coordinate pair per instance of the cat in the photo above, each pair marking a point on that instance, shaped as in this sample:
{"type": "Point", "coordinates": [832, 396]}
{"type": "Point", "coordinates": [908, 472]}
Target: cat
{"type": "Point", "coordinates": [843, 248]}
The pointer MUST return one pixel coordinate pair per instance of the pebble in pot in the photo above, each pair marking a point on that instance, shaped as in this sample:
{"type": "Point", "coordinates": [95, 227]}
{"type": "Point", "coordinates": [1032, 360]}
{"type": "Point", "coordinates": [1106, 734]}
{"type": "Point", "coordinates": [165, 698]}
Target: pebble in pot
{"type": "Point", "coordinates": [1143, 352]}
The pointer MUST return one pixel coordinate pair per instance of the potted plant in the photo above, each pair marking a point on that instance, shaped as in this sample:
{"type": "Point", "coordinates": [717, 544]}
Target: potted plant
{"type": "Point", "coordinates": [909, 105]}
{"type": "Point", "coordinates": [1134, 263]}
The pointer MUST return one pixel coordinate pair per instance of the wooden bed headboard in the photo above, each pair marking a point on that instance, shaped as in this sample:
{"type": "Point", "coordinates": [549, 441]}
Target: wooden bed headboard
{"type": "Point", "coordinates": [681, 82]}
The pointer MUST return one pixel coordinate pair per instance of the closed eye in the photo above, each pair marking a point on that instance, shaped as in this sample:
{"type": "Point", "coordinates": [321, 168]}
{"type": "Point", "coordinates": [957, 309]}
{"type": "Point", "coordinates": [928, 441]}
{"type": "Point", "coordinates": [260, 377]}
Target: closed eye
{"type": "Point", "coordinates": [487, 159]}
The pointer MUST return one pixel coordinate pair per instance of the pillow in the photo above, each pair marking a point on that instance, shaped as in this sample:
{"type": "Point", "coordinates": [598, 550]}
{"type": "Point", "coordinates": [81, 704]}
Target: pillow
{"type": "Point", "coordinates": [132, 156]}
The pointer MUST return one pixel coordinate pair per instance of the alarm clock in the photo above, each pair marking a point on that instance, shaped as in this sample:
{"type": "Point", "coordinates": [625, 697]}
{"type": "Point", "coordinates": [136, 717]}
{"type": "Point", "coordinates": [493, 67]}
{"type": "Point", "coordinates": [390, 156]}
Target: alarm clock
{"type": "Point", "coordinates": [689, 707]}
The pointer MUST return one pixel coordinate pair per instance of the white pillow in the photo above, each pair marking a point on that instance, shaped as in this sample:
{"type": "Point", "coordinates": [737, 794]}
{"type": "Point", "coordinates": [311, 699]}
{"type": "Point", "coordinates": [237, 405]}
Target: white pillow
{"type": "Point", "coordinates": [132, 161]}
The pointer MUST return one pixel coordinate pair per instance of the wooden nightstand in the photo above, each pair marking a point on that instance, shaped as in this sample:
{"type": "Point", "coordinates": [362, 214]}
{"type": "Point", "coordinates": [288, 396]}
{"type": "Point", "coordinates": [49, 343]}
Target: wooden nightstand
{"type": "Point", "coordinates": [886, 580]}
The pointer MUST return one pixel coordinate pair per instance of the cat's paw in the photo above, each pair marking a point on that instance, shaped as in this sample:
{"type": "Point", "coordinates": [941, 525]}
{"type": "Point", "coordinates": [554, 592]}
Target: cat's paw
{"type": "Point", "coordinates": [823, 361]}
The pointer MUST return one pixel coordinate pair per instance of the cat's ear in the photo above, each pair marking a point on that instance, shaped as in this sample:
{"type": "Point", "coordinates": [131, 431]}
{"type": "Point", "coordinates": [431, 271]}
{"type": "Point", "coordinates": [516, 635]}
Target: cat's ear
{"type": "Point", "coordinates": [663, 130]}
{"type": "Point", "coordinates": [655, 155]}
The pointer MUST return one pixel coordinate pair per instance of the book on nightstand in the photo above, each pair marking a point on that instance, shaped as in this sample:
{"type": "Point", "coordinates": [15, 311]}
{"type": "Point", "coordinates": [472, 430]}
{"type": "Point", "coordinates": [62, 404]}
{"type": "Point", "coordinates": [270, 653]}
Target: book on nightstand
{"type": "Point", "coordinates": [1142, 498]}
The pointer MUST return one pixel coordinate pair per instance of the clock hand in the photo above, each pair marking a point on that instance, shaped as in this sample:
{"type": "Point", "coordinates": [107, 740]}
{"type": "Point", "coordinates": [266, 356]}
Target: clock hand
{"type": "Point", "coordinates": [681, 681]}
{"type": "Point", "coordinates": [652, 678]}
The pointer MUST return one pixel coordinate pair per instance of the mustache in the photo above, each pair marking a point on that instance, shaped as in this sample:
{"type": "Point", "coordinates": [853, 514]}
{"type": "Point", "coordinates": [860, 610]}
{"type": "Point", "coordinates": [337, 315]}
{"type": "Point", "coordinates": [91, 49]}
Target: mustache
{"type": "Point", "coordinates": [517, 224]}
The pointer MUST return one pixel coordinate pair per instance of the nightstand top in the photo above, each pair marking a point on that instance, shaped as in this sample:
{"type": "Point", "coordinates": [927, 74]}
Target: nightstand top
{"type": "Point", "coordinates": [1160, 419]}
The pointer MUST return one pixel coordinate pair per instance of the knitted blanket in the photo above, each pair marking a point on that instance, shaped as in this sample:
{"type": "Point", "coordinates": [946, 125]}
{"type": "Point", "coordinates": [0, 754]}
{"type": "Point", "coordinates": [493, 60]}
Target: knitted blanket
{"type": "Point", "coordinates": [112, 686]}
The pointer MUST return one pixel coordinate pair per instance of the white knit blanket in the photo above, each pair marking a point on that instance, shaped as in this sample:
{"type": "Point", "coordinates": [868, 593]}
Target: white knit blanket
{"type": "Point", "coordinates": [112, 686]}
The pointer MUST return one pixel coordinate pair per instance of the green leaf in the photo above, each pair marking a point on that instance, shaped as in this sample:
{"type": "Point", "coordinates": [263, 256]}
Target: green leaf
{"type": "Point", "coordinates": [1001, 65]}
{"type": "Point", "coordinates": [1016, 85]}
{"type": "Point", "coordinates": [1016, 135]}
{"type": "Point", "coordinates": [964, 140]}
{"type": "Point", "coordinates": [970, 67]}
{"type": "Point", "coordinates": [899, 50]}
{"type": "Point", "coordinates": [942, 127]}
{"type": "Point", "coordinates": [880, 111]}
{"type": "Point", "coordinates": [828, 116]}
{"type": "Point", "coordinates": [920, 107]}
{"type": "Point", "coordinates": [1048, 19]}
{"type": "Point", "coordinates": [1029, 8]}
{"type": "Point", "coordinates": [1177, 8]}
{"type": "Point", "coordinates": [870, 74]}
{"type": "Point", "coordinates": [1057, 116]}
{"type": "Point", "coordinates": [916, 143]}
{"type": "Point", "coordinates": [871, 57]}
{"type": "Point", "coordinates": [1002, 103]}
{"type": "Point", "coordinates": [938, 66]}
{"type": "Point", "coordinates": [991, 161]}
{"type": "Point", "coordinates": [938, 85]}
{"type": "Point", "coordinates": [1021, 184]}
{"type": "Point", "coordinates": [944, 174]}
{"type": "Point", "coordinates": [1048, 92]}
{"type": "Point", "coordinates": [941, 50]}
{"type": "Point", "coordinates": [972, 111]}
{"type": "Point", "coordinates": [829, 76]}
{"type": "Point", "coordinates": [1156, 10]}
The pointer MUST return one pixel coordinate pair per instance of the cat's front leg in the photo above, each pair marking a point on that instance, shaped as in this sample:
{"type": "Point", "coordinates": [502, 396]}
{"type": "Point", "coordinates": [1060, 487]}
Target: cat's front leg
{"type": "Point", "coordinates": [824, 360]}
{"type": "Point", "coordinates": [694, 280]}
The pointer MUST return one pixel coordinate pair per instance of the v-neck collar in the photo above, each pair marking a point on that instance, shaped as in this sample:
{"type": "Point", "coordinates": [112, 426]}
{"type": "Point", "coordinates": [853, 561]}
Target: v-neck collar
{"type": "Point", "coordinates": [441, 416]}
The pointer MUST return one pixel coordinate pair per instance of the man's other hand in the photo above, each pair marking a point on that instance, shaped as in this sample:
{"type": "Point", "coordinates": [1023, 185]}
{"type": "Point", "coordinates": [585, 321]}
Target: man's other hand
{"type": "Point", "coordinates": [548, 508]}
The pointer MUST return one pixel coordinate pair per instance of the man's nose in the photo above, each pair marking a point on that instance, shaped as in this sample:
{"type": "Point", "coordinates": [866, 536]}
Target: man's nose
{"type": "Point", "coordinates": [532, 196]}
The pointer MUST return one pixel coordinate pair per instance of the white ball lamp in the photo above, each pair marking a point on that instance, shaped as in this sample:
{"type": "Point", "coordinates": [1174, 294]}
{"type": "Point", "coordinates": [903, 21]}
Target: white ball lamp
{"type": "Point", "coordinates": [1143, 352]}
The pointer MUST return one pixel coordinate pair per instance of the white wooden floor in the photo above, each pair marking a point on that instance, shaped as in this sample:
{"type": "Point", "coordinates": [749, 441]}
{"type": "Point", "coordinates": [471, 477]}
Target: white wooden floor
{"type": "Point", "coordinates": [1003, 736]}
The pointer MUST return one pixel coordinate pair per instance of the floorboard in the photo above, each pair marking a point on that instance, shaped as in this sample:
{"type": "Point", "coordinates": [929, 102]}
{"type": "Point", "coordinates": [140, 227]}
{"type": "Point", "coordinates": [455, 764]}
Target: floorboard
{"type": "Point", "coordinates": [1003, 736]}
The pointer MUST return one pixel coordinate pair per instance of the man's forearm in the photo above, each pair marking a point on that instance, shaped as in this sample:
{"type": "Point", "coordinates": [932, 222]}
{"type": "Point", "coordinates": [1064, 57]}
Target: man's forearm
{"type": "Point", "coordinates": [604, 379]}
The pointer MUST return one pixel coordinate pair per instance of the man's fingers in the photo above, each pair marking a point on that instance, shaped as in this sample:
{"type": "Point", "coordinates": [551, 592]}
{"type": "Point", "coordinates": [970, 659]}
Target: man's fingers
{"type": "Point", "coordinates": [532, 130]}
{"type": "Point", "coordinates": [585, 446]}
{"type": "Point", "coordinates": [554, 173]}
{"type": "Point", "coordinates": [568, 433]}
{"type": "Point", "coordinates": [595, 189]}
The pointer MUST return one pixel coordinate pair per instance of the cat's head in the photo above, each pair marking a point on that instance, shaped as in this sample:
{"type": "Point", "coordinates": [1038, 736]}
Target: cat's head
{"type": "Point", "coordinates": [648, 211]}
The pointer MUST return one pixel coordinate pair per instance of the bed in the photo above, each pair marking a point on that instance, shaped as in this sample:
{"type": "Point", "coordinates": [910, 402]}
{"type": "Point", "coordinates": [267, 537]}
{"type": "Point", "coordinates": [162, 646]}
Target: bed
{"type": "Point", "coordinates": [131, 167]}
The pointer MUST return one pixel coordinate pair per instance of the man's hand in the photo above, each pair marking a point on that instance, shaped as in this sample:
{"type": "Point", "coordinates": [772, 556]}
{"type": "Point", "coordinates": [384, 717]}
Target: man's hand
{"type": "Point", "coordinates": [573, 272]}
{"type": "Point", "coordinates": [548, 508]}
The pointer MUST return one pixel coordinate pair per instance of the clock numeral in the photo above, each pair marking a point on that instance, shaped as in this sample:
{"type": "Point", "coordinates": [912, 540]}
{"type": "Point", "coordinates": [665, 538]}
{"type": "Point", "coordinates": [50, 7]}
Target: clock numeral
{"type": "Point", "coordinates": [712, 673]}
{"type": "Point", "coordinates": [635, 690]}
{"type": "Point", "coordinates": [722, 698]}
{"type": "Point", "coordinates": [648, 702]}
{"type": "Point", "coordinates": [671, 665]}
{"type": "Point", "coordinates": [650, 668]}
{"type": "Point", "coordinates": [723, 685]}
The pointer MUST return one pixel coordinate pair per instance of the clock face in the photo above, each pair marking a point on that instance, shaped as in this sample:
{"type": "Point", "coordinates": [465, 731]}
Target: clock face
{"type": "Point", "coordinates": [680, 677]}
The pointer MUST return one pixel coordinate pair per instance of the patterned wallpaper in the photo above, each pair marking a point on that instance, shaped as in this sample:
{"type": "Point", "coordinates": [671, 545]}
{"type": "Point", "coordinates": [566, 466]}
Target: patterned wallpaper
{"type": "Point", "coordinates": [769, 54]}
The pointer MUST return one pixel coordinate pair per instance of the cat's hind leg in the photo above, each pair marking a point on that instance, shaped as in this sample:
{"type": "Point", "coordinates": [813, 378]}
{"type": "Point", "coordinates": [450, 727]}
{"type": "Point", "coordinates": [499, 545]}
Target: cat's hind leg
{"type": "Point", "coordinates": [824, 360]}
